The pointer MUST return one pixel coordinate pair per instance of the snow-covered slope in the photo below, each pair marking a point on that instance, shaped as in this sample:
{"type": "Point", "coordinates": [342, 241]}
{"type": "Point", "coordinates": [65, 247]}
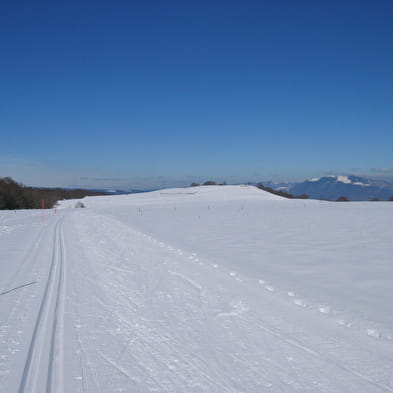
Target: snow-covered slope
{"type": "Point", "coordinates": [181, 195]}
{"type": "Point", "coordinates": [205, 289]}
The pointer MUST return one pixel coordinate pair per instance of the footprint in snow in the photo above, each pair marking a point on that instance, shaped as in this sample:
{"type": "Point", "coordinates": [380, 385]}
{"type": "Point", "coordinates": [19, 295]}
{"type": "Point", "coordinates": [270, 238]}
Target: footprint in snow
{"type": "Point", "coordinates": [344, 323]}
{"type": "Point", "coordinates": [300, 303]}
{"type": "Point", "coordinates": [324, 309]}
{"type": "Point", "coordinates": [374, 333]}
{"type": "Point", "coordinates": [236, 308]}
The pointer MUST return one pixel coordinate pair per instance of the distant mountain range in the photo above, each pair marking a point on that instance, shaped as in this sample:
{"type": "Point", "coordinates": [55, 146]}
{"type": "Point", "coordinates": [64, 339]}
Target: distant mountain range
{"type": "Point", "coordinates": [354, 188]}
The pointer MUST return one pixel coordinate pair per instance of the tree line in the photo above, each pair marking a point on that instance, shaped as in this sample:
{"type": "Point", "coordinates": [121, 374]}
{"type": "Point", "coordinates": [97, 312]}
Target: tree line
{"type": "Point", "coordinates": [208, 183]}
{"type": "Point", "coordinates": [281, 193]}
{"type": "Point", "coordinates": [14, 195]}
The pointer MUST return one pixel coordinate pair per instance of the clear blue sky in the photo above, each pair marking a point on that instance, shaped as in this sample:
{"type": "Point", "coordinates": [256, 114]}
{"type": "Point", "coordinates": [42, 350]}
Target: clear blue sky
{"type": "Point", "coordinates": [152, 93]}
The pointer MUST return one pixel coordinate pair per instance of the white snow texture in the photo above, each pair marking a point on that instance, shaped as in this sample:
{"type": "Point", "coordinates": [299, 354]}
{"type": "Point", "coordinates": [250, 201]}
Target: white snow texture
{"type": "Point", "coordinates": [214, 289]}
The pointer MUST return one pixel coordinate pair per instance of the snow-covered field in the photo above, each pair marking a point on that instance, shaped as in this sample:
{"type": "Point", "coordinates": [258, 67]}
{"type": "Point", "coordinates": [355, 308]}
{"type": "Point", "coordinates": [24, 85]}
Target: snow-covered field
{"type": "Point", "coordinates": [209, 289]}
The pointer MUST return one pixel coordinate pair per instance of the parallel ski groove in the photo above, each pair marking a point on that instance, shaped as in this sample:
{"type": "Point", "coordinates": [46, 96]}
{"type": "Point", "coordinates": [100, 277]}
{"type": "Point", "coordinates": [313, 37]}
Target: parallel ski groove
{"type": "Point", "coordinates": [30, 367]}
{"type": "Point", "coordinates": [60, 285]}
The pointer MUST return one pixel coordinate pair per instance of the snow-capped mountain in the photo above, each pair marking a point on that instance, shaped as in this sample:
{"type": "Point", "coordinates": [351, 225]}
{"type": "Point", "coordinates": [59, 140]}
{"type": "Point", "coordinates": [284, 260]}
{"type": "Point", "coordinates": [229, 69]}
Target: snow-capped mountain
{"type": "Point", "coordinates": [355, 188]}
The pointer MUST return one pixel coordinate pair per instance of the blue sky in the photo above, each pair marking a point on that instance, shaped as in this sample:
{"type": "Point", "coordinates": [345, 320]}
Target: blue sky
{"type": "Point", "coordinates": [160, 93]}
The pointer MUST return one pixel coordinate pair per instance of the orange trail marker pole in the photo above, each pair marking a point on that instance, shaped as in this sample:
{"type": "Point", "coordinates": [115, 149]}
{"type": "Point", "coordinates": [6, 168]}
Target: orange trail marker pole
{"type": "Point", "coordinates": [42, 210]}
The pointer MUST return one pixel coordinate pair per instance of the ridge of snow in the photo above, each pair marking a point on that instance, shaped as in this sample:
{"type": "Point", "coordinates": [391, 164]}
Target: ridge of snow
{"type": "Point", "coordinates": [343, 179]}
{"type": "Point", "coordinates": [340, 178]}
{"type": "Point", "coordinates": [227, 192]}
{"type": "Point", "coordinates": [358, 183]}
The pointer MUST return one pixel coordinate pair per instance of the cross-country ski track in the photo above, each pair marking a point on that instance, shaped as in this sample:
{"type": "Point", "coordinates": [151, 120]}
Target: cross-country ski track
{"type": "Point", "coordinates": [113, 298]}
{"type": "Point", "coordinates": [46, 340]}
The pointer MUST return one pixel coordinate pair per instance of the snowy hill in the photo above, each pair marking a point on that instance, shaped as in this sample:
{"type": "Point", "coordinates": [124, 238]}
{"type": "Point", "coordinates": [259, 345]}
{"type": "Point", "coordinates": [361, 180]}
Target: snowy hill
{"type": "Point", "coordinates": [212, 289]}
{"type": "Point", "coordinates": [193, 194]}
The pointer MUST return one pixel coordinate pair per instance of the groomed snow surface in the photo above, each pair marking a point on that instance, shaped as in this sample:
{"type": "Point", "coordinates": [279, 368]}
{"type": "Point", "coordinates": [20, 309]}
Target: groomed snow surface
{"type": "Point", "coordinates": [215, 289]}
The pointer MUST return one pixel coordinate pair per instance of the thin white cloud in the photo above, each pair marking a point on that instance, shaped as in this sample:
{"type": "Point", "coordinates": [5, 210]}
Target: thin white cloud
{"type": "Point", "coordinates": [382, 170]}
